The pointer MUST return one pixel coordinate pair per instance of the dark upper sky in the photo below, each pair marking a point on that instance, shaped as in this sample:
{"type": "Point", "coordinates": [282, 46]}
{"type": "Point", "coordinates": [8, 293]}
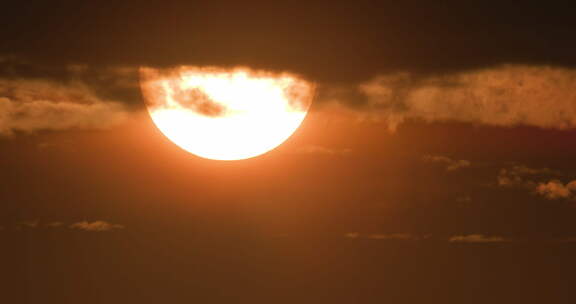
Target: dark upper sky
{"type": "Point", "coordinates": [331, 40]}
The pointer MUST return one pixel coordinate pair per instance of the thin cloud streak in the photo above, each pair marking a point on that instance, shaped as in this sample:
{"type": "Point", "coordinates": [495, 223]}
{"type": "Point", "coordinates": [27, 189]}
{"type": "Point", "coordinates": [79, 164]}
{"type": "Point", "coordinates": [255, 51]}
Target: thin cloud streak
{"type": "Point", "coordinates": [96, 226]}
{"type": "Point", "coordinates": [451, 164]}
{"type": "Point", "coordinates": [321, 150]}
{"type": "Point", "coordinates": [477, 238]}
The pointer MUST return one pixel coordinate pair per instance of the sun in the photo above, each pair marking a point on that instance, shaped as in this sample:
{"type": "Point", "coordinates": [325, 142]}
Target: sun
{"type": "Point", "coordinates": [225, 114]}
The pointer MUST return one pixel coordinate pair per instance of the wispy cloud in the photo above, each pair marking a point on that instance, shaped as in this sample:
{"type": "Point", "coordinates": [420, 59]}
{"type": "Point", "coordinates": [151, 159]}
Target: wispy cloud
{"type": "Point", "coordinates": [96, 226]}
{"type": "Point", "coordinates": [450, 164]}
{"type": "Point", "coordinates": [464, 200]}
{"type": "Point", "coordinates": [28, 224]}
{"type": "Point", "coordinates": [477, 238]}
{"type": "Point", "coordinates": [522, 176]}
{"type": "Point", "coordinates": [321, 150]}
{"type": "Point", "coordinates": [382, 236]}
{"type": "Point", "coordinates": [467, 238]}
{"type": "Point", "coordinates": [392, 236]}
{"type": "Point", "coordinates": [55, 224]}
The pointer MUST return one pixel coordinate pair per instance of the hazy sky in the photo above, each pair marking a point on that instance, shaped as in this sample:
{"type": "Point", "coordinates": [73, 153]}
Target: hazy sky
{"type": "Point", "coordinates": [436, 162]}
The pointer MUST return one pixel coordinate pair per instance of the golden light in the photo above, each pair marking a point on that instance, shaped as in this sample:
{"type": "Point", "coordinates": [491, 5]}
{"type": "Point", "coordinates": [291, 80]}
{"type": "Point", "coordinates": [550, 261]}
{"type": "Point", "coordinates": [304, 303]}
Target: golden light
{"type": "Point", "coordinates": [225, 114]}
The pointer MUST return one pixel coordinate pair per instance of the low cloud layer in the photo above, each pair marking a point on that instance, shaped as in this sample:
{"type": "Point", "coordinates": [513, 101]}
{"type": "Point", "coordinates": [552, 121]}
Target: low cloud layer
{"type": "Point", "coordinates": [34, 105]}
{"type": "Point", "coordinates": [506, 96]}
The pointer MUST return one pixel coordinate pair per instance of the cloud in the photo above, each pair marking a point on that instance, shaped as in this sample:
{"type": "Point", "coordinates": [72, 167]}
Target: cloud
{"type": "Point", "coordinates": [555, 189]}
{"type": "Point", "coordinates": [522, 176]}
{"type": "Point", "coordinates": [477, 238]}
{"type": "Point", "coordinates": [320, 150]}
{"type": "Point", "coordinates": [54, 224]}
{"type": "Point", "coordinates": [464, 200]}
{"type": "Point", "coordinates": [451, 164]}
{"type": "Point", "coordinates": [352, 235]}
{"type": "Point", "coordinates": [28, 224]}
{"type": "Point", "coordinates": [538, 181]}
{"type": "Point", "coordinates": [83, 225]}
{"type": "Point", "coordinates": [391, 236]}
{"type": "Point", "coordinates": [34, 105]}
{"type": "Point", "coordinates": [506, 96]}
{"type": "Point", "coordinates": [123, 77]}
{"type": "Point", "coordinates": [382, 236]}
{"type": "Point", "coordinates": [96, 226]}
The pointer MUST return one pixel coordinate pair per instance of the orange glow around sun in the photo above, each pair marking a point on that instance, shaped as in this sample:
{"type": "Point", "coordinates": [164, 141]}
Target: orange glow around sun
{"type": "Point", "coordinates": [225, 114]}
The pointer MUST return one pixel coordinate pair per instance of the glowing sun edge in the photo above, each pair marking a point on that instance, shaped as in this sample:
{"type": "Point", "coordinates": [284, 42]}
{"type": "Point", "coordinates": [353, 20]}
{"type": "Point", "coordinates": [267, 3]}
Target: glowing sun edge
{"type": "Point", "coordinates": [258, 113]}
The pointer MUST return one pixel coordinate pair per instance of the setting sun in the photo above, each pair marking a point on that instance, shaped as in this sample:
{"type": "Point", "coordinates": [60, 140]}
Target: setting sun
{"type": "Point", "coordinates": [225, 114]}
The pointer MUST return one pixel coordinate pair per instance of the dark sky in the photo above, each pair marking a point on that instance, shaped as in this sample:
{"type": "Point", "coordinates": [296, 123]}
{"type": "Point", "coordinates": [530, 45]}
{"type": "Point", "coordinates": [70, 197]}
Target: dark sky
{"type": "Point", "coordinates": [336, 40]}
{"type": "Point", "coordinates": [436, 163]}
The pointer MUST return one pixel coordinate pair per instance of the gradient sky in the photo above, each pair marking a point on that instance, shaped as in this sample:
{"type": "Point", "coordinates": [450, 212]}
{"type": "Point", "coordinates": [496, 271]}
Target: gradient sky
{"type": "Point", "coordinates": [436, 163]}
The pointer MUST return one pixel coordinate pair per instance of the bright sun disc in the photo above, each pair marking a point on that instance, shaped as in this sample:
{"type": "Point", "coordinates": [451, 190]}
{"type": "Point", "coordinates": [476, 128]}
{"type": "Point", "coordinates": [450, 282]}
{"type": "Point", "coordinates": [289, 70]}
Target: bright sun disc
{"type": "Point", "coordinates": [225, 114]}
